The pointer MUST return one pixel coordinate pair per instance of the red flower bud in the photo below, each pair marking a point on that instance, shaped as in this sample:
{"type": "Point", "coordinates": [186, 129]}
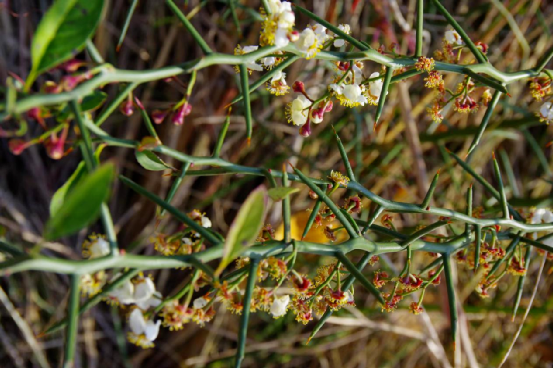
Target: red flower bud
{"type": "Point", "coordinates": [179, 115]}
{"type": "Point", "coordinates": [305, 129]}
{"type": "Point", "coordinates": [158, 116]}
{"type": "Point", "coordinates": [127, 107]}
{"type": "Point", "coordinates": [17, 146]}
{"type": "Point", "coordinates": [328, 106]}
{"type": "Point", "coordinates": [298, 87]}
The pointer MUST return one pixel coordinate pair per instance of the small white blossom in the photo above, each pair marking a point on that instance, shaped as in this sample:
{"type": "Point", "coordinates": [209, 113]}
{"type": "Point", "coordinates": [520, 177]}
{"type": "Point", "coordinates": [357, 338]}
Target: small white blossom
{"type": "Point", "coordinates": [349, 297]}
{"type": "Point", "coordinates": [143, 333]}
{"type": "Point", "coordinates": [268, 61]}
{"type": "Point", "coordinates": [99, 248]}
{"type": "Point", "coordinates": [375, 88]}
{"type": "Point", "coordinates": [541, 215]}
{"type": "Point", "coordinates": [206, 222]}
{"type": "Point", "coordinates": [277, 85]}
{"type": "Point", "coordinates": [349, 94]}
{"type": "Point", "coordinates": [280, 306]}
{"type": "Point", "coordinates": [278, 25]}
{"type": "Point", "coordinates": [546, 111]}
{"type": "Point", "coordinates": [124, 294]}
{"type": "Point", "coordinates": [297, 110]}
{"type": "Point", "coordinates": [453, 38]}
{"type": "Point", "coordinates": [311, 40]}
{"type": "Point", "coordinates": [145, 294]}
{"type": "Point", "coordinates": [199, 303]}
{"type": "Point", "coordinates": [340, 41]}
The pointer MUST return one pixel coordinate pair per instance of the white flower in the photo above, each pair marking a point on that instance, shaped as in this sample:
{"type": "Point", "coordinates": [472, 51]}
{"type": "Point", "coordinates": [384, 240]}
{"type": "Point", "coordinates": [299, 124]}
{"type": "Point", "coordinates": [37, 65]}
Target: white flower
{"type": "Point", "coordinates": [206, 222]}
{"type": "Point", "coordinates": [297, 110]}
{"type": "Point", "coordinates": [143, 333]}
{"type": "Point", "coordinates": [350, 94]}
{"type": "Point", "coordinates": [124, 294]}
{"type": "Point", "coordinates": [278, 25]}
{"type": "Point", "coordinates": [268, 61]}
{"type": "Point", "coordinates": [311, 40]}
{"type": "Point", "coordinates": [279, 306]}
{"type": "Point", "coordinates": [541, 215]}
{"type": "Point", "coordinates": [199, 303]}
{"type": "Point", "coordinates": [546, 111]}
{"type": "Point", "coordinates": [452, 37]}
{"type": "Point", "coordinates": [145, 294]}
{"type": "Point", "coordinates": [375, 88]}
{"type": "Point", "coordinates": [349, 297]}
{"type": "Point", "coordinates": [99, 248]}
{"type": "Point", "coordinates": [340, 41]}
{"type": "Point", "coordinates": [277, 85]}
{"type": "Point", "coordinates": [253, 65]}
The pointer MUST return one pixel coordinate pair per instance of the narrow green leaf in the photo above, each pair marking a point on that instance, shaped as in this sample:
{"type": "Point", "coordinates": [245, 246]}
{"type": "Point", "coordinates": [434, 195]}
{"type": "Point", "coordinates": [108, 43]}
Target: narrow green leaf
{"type": "Point", "coordinates": [377, 212]}
{"type": "Point", "coordinates": [339, 215]}
{"type": "Point", "coordinates": [150, 161]}
{"type": "Point", "coordinates": [502, 196]}
{"type": "Point", "coordinates": [333, 28]}
{"type": "Point", "coordinates": [521, 279]}
{"type": "Point", "coordinates": [477, 246]}
{"type": "Point", "coordinates": [419, 29]}
{"type": "Point", "coordinates": [172, 210]}
{"type": "Point", "coordinates": [197, 37]}
{"type": "Point", "coordinates": [344, 155]}
{"type": "Point", "coordinates": [176, 184]}
{"type": "Point", "coordinates": [222, 135]}
{"type": "Point", "coordinates": [147, 120]}
{"type": "Point", "coordinates": [311, 218]}
{"type": "Point", "coordinates": [73, 322]}
{"type": "Point", "coordinates": [452, 301]}
{"type": "Point", "coordinates": [82, 204]}
{"type": "Point", "coordinates": [487, 81]}
{"type": "Point", "coordinates": [430, 193]}
{"type": "Point", "coordinates": [248, 294]}
{"type": "Point", "coordinates": [286, 208]}
{"type": "Point", "coordinates": [469, 209]}
{"type": "Point", "coordinates": [62, 31]}
{"type": "Point", "coordinates": [485, 121]}
{"type": "Point", "coordinates": [126, 25]}
{"type": "Point", "coordinates": [354, 271]}
{"type": "Point", "coordinates": [246, 226]}
{"type": "Point", "coordinates": [383, 93]}
{"type": "Point", "coordinates": [486, 185]}
{"type": "Point", "coordinates": [542, 62]}
{"type": "Point", "coordinates": [422, 232]}
{"type": "Point", "coordinates": [279, 193]}
{"type": "Point", "coordinates": [247, 104]}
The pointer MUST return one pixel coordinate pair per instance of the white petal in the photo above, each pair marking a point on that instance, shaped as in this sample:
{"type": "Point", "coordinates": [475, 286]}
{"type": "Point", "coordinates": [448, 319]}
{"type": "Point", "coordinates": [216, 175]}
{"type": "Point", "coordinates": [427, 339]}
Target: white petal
{"type": "Point", "coordinates": [137, 322]}
{"type": "Point", "coordinates": [339, 42]}
{"type": "Point", "coordinates": [281, 37]}
{"type": "Point", "coordinates": [200, 303]}
{"type": "Point", "coordinates": [278, 308]}
{"type": "Point", "coordinates": [248, 49]}
{"type": "Point", "coordinates": [152, 330]}
{"type": "Point", "coordinates": [268, 61]}
{"type": "Point", "coordinates": [206, 222]}
{"type": "Point", "coordinates": [99, 248]}
{"type": "Point", "coordinates": [144, 289]}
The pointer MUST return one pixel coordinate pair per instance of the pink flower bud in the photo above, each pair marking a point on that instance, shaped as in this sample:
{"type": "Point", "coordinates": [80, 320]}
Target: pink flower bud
{"type": "Point", "coordinates": [17, 146]}
{"type": "Point", "coordinates": [343, 65]}
{"type": "Point", "coordinates": [55, 149]}
{"type": "Point", "coordinates": [179, 115]}
{"type": "Point", "coordinates": [328, 106]}
{"type": "Point", "coordinates": [158, 116]}
{"type": "Point", "coordinates": [71, 66]}
{"type": "Point", "coordinates": [34, 113]}
{"type": "Point", "coordinates": [51, 87]}
{"type": "Point", "coordinates": [298, 87]}
{"type": "Point", "coordinates": [127, 107]}
{"type": "Point", "coordinates": [305, 129]}
{"type": "Point", "coordinates": [482, 46]}
{"type": "Point", "coordinates": [138, 103]}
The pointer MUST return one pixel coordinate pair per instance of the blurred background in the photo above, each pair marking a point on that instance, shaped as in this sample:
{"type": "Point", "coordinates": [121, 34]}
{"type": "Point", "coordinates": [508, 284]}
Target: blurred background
{"type": "Point", "coordinates": [397, 161]}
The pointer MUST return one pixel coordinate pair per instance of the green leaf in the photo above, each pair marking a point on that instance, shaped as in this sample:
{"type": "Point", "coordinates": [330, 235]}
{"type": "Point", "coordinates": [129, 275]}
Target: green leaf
{"type": "Point", "coordinates": [59, 196]}
{"type": "Point", "coordinates": [90, 102]}
{"type": "Point", "coordinates": [149, 161]}
{"type": "Point", "coordinates": [245, 227]}
{"type": "Point", "coordinates": [82, 205]}
{"type": "Point", "coordinates": [63, 31]}
{"type": "Point", "coordinates": [278, 194]}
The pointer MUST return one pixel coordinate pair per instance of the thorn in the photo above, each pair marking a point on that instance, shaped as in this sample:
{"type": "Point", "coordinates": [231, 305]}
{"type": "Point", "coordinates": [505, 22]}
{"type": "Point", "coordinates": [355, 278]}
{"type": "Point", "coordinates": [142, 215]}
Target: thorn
{"type": "Point", "coordinates": [548, 144]}
{"type": "Point", "coordinates": [292, 166]}
{"type": "Point", "coordinates": [374, 126]}
{"type": "Point", "coordinates": [493, 155]}
{"type": "Point", "coordinates": [467, 155]}
{"type": "Point", "coordinates": [454, 345]}
{"type": "Point", "coordinates": [438, 172]}
{"type": "Point", "coordinates": [249, 140]}
{"type": "Point", "coordinates": [229, 109]}
{"type": "Point", "coordinates": [334, 130]}
{"type": "Point", "coordinates": [310, 337]}
{"type": "Point", "coordinates": [447, 150]}
{"type": "Point", "coordinates": [118, 48]}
